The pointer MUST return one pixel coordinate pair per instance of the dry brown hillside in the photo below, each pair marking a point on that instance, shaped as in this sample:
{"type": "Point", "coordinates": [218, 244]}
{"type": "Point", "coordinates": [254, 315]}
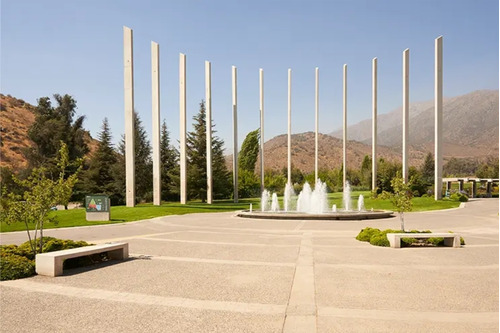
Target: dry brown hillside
{"type": "Point", "coordinates": [16, 117]}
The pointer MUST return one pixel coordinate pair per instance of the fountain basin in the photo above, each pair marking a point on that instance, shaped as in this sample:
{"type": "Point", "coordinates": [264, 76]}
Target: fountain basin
{"type": "Point", "coordinates": [339, 215]}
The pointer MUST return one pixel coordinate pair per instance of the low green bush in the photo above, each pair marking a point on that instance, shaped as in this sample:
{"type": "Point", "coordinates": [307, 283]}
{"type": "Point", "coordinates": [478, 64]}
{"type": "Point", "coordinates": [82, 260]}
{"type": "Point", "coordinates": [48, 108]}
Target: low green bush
{"type": "Point", "coordinates": [19, 262]}
{"type": "Point", "coordinates": [366, 233]}
{"type": "Point", "coordinates": [15, 266]}
{"type": "Point", "coordinates": [458, 196]}
{"type": "Point", "coordinates": [378, 237]}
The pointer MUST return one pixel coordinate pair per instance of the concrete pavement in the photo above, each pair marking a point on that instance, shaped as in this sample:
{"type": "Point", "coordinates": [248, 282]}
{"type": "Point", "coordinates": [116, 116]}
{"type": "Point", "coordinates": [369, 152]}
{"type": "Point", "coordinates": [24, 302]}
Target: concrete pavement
{"type": "Point", "coordinates": [220, 273]}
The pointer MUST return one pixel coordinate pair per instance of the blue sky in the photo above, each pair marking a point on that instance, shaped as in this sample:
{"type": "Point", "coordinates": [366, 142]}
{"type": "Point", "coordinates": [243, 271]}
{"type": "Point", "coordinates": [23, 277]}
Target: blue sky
{"type": "Point", "coordinates": [76, 47]}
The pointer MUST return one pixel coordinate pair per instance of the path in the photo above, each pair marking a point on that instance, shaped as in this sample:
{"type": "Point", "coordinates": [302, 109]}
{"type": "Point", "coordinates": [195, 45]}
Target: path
{"type": "Point", "coordinates": [219, 273]}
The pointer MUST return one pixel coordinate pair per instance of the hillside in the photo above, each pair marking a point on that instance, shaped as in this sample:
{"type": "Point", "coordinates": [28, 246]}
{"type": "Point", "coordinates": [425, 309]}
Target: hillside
{"type": "Point", "coordinates": [16, 117]}
{"type": "Point", "coordinates": [470, 126]}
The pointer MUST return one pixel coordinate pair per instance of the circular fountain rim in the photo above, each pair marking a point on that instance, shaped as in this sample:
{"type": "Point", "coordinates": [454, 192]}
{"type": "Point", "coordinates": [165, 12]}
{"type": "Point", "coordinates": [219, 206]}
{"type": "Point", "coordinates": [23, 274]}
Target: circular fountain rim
{"type": "Point", "coordinates": [351, 215]}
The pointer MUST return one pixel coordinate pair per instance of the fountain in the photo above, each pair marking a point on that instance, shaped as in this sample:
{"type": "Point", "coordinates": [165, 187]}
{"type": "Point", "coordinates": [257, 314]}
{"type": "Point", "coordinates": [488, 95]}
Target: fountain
{"type": "Point", "coordinates": [312, 204]}
{"type": "Point", "coordinates": [287, 200]}
{"type": "Point", "coordinates": [346, 197]}
{"type": "Point", "coordinates": [275, 205]}
{"type": "Point", "coordinates": [361, 203]}
{"type": "Point", "coordinates": [264, 200]}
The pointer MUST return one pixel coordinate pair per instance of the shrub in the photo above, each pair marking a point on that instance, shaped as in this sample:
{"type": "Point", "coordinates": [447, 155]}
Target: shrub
{"type": "Point", "coordinates": [379, 240]}
{"type": "Point", "coordinates": [366, 233]}
{"type": "Point", "coordinates": [15, 267]}
{"type": "Point", "coordinates": [19, 262]}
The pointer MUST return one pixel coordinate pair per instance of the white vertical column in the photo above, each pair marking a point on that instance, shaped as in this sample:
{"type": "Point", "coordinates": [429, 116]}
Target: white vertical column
{"type": "Point", "coordinates": [128, 71]}
{"type": "Point", "coordinates": [235, 136]}
{"type": "Point", "coordinates": [374, 124]}
{"type": "Point", "coordinates": [155, 102]}
{"type": "Point", "coordinates": [406, 109]}
{"type": "Point", "coordinates": [438, 122]}
{"type": "Point", "coordinates": [289, 126]}
{"type": "Point", "coordinates": [344, 136]}
{"type": "Point", "coordinates": [182, 126]}
{"type": "Point", "coordinates": [261, 106]}
{"type": "Point", "coordinates": [316, 126]}
{"type": "Point", "coordinates": [208, 101]}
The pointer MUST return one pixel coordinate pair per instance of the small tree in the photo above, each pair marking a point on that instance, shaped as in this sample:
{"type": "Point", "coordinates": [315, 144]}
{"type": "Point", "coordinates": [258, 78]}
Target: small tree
{"type": "Point", "coordinates": [400, 197]}
{"type": "Point", "coordinates": [43, 193]}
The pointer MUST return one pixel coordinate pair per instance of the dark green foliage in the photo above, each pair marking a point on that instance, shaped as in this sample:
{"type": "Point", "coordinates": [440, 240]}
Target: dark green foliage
{"type": "Point", "coordinates": [274, 181]}
{"type": "Point", "coordinates": [457, 196]}
{"type": "Point", "coordinates": [53, 125]}
{"type": "Point", "coordinates": [99, 178]}
{"type": "Point", "coordinates": [460, 167]}
{"type": "Point", "coordinates": [418, 185]}
{"type": "Point", "coordinates": [386, 171]}
{"type": "Point", "coordinates": [248, 184]}
{"type": "Point", "coordinates": [169, 160]}
{"type": "Point", "coordinates": [197, 162]}
{"type": "Point", "coordinates": [15, 266]}
{"type": "Point", "coordinates": [7, 182]}
{"type": "Point", "coordinates": [249, 152]}
{"type": "Point", "coordinates": [19, 261]}
{"type": "Point", "coordinates": [427, 169]}
{"type": "Point", "coordinates": [366, 172]}
{"type": "Point", "coordinates": [488, 169]}
{"type": "Point", "coordinates": [143, 164]}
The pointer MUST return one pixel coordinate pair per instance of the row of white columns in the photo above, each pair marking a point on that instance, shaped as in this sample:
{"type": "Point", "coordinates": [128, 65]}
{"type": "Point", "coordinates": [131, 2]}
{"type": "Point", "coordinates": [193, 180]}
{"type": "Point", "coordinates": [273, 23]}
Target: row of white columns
{"type": "Point", "coordinates": [155, 84]}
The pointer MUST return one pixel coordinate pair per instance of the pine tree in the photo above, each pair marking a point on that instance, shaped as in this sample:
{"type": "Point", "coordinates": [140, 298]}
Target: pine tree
{"type": "Point", "coordinates": [143, 163]}
{"type": "Point", "coordinates": [169, 159]}
{"type": "Point", "coordinates": [427, 169]}
{"type": "Point", "coordinates": [99, 178]}
{"type": "Point", "coordinates": [197, 161]}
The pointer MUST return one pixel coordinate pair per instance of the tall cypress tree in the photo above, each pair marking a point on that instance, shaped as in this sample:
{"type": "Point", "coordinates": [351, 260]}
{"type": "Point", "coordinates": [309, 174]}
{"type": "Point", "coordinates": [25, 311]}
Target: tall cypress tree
{"type": "Point", "coordinates": [169, 159]}
{"type": "Point", "coordinates": [197, 161]}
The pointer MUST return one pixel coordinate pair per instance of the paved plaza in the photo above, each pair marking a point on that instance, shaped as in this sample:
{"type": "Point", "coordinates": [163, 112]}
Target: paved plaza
{"type": "Point", "coordinates": [220, 273]}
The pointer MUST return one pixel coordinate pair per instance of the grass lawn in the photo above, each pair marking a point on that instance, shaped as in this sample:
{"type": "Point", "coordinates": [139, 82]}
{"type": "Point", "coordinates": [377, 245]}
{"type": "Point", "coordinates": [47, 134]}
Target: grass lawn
{"type": "Point", "coordinates": [120, 214]}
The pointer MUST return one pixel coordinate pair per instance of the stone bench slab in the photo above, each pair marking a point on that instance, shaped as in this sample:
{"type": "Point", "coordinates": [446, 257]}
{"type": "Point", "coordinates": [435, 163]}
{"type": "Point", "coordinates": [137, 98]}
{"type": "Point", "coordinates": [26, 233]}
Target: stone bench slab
{"type": "Point", "coordinates": [51, 263]}
{"type": "Point", "coordinates": [450, 239]}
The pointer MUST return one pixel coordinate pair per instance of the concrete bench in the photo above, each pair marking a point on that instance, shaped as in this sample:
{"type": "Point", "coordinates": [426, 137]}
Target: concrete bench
{"type": "Point", "coordinates": [51, 263]}
{"type": "Point", "coordinates": [450, 239]}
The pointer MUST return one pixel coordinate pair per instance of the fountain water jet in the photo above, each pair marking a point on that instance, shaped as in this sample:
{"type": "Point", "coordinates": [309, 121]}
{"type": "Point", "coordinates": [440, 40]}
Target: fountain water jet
{"type": "Point", "coordinates": [346, 197]}
{"type": "Point", "coordinates": [312, 205]}
{"type": "Point", "coordinates": [287, 200]}
{"type": "Point", "coordinates": [361, 203]}
{"type": "Point", "coordinates": [275, 205]}
{"type": "Point", "coordinates": [264, 200]}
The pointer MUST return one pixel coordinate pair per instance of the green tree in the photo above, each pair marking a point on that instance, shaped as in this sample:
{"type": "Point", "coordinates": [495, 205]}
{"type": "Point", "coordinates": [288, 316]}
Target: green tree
{"type": "Point", "coordinates": [169, 160]}
{"type": "Point", "coordinates": [143, 164]}
{"type": "Point", "coordinates": [248, 182]}
{"type": "Point", "coordinates": [249, 152]}
{"type": "Point", "coordinates": [43, 193]}
{"type": "Point", "coordinates": [53, 125]}
{"type": "Point", "coordinates": [100, 177]}
{"type": "Point", "coordinates": [386, 171]}
{"type": "Point", "coordinates": [400, 197]}
{"type": "Point", "coordinates": [427, 169]}
{"type": "Point", "coordinates": [488, 169]}
{"type": "Point", "coordinates": [197, 161]}
{"type": "Point", "coordinates": [366, 172]}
